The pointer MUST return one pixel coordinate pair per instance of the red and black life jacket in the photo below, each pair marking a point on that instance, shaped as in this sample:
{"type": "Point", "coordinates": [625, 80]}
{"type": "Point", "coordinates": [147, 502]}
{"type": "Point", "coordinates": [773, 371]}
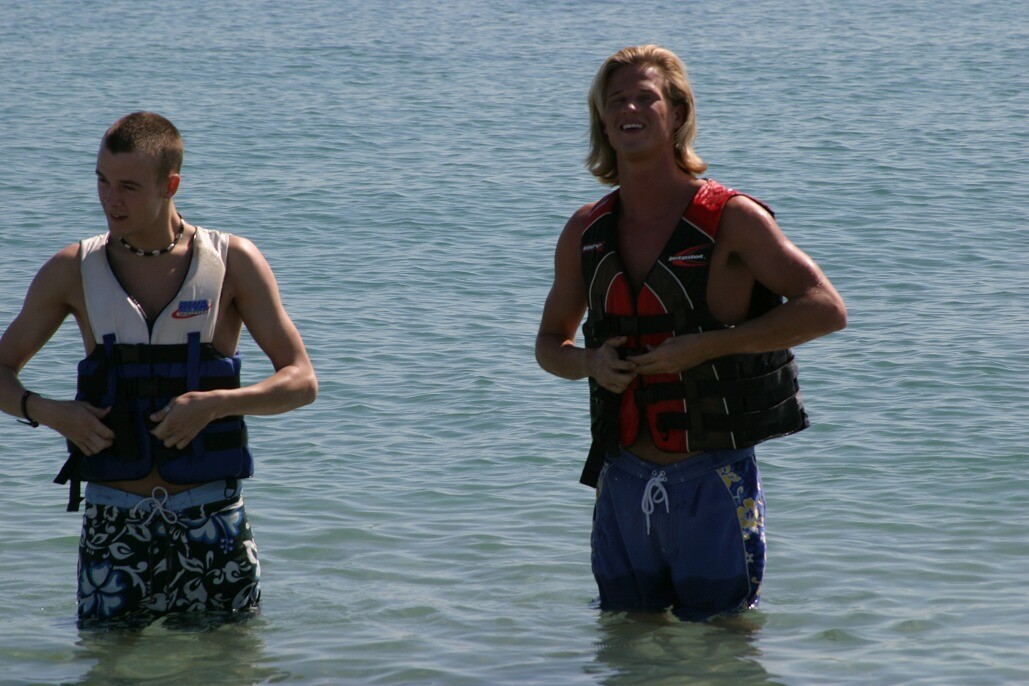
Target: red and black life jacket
{"type": "Point", "coordinates": [733, 401]}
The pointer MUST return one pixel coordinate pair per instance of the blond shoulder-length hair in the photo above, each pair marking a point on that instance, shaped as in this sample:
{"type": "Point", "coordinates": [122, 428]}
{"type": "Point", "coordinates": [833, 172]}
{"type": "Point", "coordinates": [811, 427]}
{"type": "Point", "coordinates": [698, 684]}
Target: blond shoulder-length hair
{"type": "Point", "coordinates": [601, 160]}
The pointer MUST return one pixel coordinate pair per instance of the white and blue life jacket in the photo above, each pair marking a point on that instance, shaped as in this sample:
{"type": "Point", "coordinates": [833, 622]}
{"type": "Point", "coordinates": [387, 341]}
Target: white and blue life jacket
{"type": "Point", "coordinates": [136, 368]}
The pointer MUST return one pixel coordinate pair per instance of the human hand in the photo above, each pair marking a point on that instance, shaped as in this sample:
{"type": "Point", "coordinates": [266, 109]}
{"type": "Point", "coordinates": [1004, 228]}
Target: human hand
{"type": "Point", "coordinates": [610, 371]}
{"type": "Point", "coordinates": [672, 356]}
{"type": "Point", "coordinates": [81, 423]}
{"type": "Point", "coordinates": [179, 422]}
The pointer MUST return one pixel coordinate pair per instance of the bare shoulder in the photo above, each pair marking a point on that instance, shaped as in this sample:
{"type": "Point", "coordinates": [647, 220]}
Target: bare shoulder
{"type": "Point", "coordinates": [62, 273]}
{"type": "Point", "coordinates": [566, 301]}
{"type": "Point", "coordinates": [241, 248]}
{"type": "Point", "coordinates": [567, 253]}
{"type": "Point", "coordinates": [245, 261]}
{"type": "Point", "coordinates": [254, 292]}
{"type": "Point", "coordinates": [576, 224]}
{"type": "Point", "coordinates": [55, 293]}
{"type": "Point", "coordinates": [745, 218]}
{"type": "Point", "coordinates": [581, 216]}
{"type": "Point", "coordinates": [67, 257]}
{"type": "Point", "coordinates": [751, 238]}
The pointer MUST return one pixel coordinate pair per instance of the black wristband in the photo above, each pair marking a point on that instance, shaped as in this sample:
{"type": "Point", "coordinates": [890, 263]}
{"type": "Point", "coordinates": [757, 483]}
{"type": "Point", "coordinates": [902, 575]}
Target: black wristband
{"type": "Point", "coordinates": [25, 410]}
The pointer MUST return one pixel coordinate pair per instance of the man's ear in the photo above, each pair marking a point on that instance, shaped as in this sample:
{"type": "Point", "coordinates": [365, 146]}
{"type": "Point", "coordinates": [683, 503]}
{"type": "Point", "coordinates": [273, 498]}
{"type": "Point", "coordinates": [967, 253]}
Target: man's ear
{"type": "Point", "coordinates": [680, 116]}
{"type": "Point", "coordinates": [172, 186]}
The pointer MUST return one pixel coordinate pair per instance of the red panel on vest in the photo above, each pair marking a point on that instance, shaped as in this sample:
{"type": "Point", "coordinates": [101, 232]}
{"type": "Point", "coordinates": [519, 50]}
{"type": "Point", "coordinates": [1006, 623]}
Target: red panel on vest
{"type": "Point", "coordinates": [705, 211]}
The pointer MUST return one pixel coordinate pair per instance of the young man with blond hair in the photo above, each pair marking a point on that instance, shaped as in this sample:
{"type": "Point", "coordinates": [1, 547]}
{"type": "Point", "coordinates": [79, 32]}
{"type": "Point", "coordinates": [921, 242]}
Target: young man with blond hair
{"type": "Point", "coordinates": [693, 297]}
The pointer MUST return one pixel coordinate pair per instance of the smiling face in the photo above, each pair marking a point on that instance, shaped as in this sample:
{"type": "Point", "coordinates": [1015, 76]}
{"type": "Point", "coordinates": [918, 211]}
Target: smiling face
{"type": "Point", "coordinates": [654, 78]}
{"type": "Point", "coordinates": [132, 195]}
{"type": "Point", "coordinates": [638, 117]}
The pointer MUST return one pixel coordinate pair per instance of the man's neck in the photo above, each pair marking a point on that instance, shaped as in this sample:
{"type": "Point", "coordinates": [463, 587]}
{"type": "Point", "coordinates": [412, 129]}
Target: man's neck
{"type": "Point", "coordinates": [163, 230]}
{"type": "Point", "coordinates": [649, 189]}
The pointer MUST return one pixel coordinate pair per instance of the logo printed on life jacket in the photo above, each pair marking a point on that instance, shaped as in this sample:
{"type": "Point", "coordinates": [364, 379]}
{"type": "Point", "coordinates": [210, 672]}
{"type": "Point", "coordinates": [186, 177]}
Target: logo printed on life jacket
{"type": "Point", "coordinates": [191, 308]}
{"type": "Point", "coordinates": [692, 257]}
{"type": "Point", "coordinates": [591, 247]}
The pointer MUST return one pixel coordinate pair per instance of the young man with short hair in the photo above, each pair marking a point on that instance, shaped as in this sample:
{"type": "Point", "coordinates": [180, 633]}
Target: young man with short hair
{"type": "Point", "coordinates": [156, 428]}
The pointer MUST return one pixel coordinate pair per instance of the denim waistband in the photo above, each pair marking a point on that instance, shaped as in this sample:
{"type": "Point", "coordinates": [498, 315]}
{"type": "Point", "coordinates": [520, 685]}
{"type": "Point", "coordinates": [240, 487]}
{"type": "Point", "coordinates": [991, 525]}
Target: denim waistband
{"type": "Point", "coordinates": [677, 472]}
{"type": "Point", "coordinates": [98, 494]}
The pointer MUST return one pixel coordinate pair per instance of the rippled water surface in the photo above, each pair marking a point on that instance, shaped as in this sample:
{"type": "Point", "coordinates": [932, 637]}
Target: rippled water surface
{"type": "Point", "coordinates": [406, 168]}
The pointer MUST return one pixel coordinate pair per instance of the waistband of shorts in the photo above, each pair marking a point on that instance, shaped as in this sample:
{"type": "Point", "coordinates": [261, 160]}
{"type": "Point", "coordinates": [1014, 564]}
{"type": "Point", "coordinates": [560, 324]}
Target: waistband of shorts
{"type": "Point", "coordinates": [677, 472]}
{"type": "Point", "coordinates": [204, 494]}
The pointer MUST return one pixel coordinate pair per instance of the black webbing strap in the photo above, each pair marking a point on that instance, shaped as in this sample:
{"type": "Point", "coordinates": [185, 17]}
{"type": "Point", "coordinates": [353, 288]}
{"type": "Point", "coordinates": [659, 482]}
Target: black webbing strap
{"type": "Point", "coordinates": [65, 476]}
{"type": "Point", "coordinates": [594, 464]}
{"type": "Point", "coordinates": [145, 353]}
{"type": "Point", "coordinates": [607, 326]}
{"type": "Point", "coordinates": [690, 388]}
{"type": "Point", "coordinates": [153, 388]}
{"type": "Point", "coordinates": [756, 385]}
{"type": "Point", "coordinates": [604, 407]}
{"type": "Point", "coordinates": [761, 422]}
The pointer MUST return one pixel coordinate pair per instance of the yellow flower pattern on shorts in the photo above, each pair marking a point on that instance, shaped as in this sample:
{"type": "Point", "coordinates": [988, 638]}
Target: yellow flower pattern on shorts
{"type": "Point", "coordinates": [729, 477]}
{"type": "Point", "coordinates": [748, 510]}
{"type": "Point", "coordinates": [748, 515]}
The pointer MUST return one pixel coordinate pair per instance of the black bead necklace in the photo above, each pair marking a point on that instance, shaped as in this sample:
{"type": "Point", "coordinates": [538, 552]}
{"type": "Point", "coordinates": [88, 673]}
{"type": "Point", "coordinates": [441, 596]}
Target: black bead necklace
{"type": "Point", "coordinates": [161, 251]}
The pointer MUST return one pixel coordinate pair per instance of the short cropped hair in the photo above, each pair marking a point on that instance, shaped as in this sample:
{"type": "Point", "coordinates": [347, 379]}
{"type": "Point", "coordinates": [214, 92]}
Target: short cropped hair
{"type": "Point", "coordinates": [149, 133]}
{"type": "Point", "coordinates": [601, 160]}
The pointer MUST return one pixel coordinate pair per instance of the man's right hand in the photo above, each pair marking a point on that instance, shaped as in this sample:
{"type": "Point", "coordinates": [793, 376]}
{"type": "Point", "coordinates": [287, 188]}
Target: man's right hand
{"type": "Point", "coordinates": [610, 371]}
{"type": "Point", "coordinates": [79, 422]}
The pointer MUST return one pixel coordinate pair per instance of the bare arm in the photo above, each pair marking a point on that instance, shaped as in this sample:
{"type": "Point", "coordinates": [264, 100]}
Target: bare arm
{"type": "Point", "coordinates": [753, 248]}
{"type": "Point", "coordinates": [293, 384]}
{"type": "Point", "coordinates": [51, 298]}
{"type": "Point", "coordinates": [556, 351]}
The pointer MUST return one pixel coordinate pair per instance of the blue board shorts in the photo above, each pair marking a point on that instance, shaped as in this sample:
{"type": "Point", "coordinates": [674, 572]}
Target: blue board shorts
{"type": "Point", "coordinates": [142, 557]}
{"type": "Point", "coordinates": [689, 536]}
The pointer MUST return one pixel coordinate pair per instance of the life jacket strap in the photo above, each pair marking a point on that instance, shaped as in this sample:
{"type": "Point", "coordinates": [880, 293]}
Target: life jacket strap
{"type": "Point", "coordinates": [66, 476]}
{"type": "Point", "coordinates": [602, 327]}
{"type": "Point", "coordinates": [604, 407]}
{"type": "Point", "coordinates": [749, 392]}
{"type": "Point", "coordinates": [113, 352]}
{"type": "Point", "coordinates": [157, 387]}
{"type": "Point", "coordinates": [745, 427]}
{"type": "Point", "coordinates": [210, 440]}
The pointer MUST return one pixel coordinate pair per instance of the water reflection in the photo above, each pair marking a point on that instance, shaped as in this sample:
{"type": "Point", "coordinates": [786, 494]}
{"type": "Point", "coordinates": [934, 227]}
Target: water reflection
{"type": "Point", "coordinates": [179, 650]}
{"type": "Point", "coordinates": [659, 649]}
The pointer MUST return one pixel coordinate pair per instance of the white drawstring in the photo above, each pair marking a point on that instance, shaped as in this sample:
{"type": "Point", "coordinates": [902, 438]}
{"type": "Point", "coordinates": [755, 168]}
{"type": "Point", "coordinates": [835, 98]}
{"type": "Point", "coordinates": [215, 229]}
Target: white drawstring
{"type": "Point", "coordinates": [656, 483]}
{"type": "Point", "coordinates": [158, 501]}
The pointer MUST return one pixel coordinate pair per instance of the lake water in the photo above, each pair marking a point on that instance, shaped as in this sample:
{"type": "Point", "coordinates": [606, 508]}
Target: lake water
{"type": "Point", "coordinates": [406, 168]}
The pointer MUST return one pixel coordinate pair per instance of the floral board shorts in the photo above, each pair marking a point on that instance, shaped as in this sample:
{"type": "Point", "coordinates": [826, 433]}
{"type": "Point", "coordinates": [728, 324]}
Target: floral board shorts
{"type": "Point", "coordinates": [688, 536]}
{"type": "Point", "coordinates": [144, 557]}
